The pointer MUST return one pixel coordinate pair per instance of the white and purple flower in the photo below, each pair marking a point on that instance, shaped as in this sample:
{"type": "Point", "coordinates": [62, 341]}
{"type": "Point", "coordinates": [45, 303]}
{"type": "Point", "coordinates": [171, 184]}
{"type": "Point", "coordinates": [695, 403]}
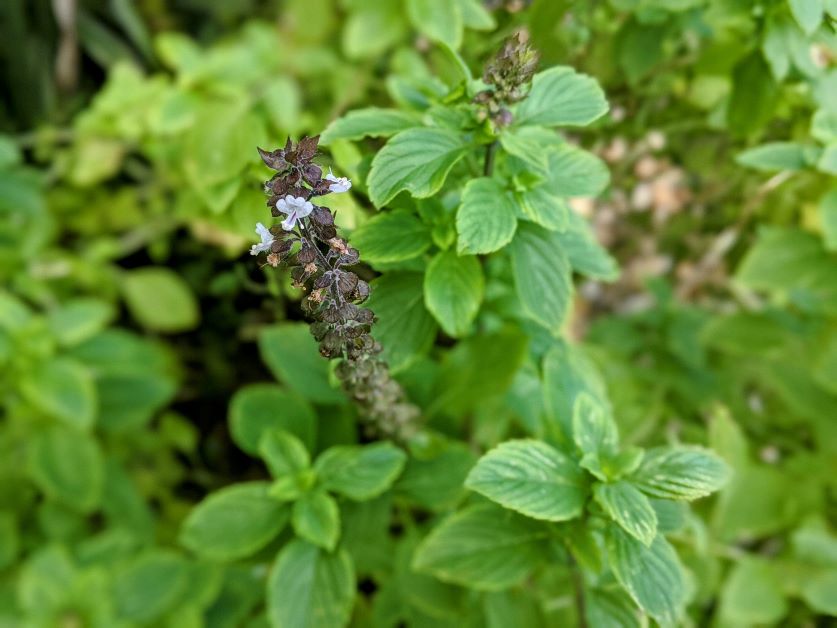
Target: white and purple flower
{"type": "Point", "coordinates": [338, 184]}
{"type": "Point", "coordinates": [295, 207]}
{"type": "Point", "coordinates": [267, 240]}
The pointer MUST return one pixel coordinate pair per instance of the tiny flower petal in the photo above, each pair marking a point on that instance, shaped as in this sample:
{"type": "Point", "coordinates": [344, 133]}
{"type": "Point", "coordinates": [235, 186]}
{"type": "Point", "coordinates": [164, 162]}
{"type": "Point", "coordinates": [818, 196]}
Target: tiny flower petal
{"type": "Point", "coordinates": [266, 237]}
{"type": "Point", "coordinates": [338, 184]}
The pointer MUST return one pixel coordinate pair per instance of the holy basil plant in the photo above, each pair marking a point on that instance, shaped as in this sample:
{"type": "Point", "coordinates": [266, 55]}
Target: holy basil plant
{"type": "Point", "coordinates": [474, 183]}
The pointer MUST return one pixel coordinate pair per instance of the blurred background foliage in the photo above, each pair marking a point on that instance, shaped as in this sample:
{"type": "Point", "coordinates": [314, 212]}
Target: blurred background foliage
{"type": "Point", "coordinates": [129, 187]}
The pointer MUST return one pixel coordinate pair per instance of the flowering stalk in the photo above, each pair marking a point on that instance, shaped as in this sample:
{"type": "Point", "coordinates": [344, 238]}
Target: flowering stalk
{"type": "Point", "coordinates": [307, 241]}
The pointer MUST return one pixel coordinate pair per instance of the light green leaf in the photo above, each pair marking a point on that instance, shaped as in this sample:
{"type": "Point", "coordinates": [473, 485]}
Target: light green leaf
{"type": "Point", "coordinates": [681, 473]}
{"type": "Point", "coordinates": [594, 430]}
{"type": "Point", "coordinates": [611, 608]}
{"type": "Point", "coordinates": [543, 207]}
{"type": "Point", "coordinates": [369, 122]}
{"type": "Point", "coordinates": [652, 576]}
{"type": "Point", "coordinates": [526, 144]}
{"type": "Point", "coordinates": [752, 594]}
{"type": "Point", "coordinates": [373, 28]}
{"type": "Point", "coordinates": [63, 389]}
{"type": "Point", "coordinates": [486, 219]}
{"type": "Point", "coordinates": [567, 373]}
{"type": "Point", "coordinates": [476, 16]}
{"type": "Point", "coordinates": [150, 586]}
{"type": "Point", "coordinates": [628, 507]}
{"type": "Point", "coordinates": [234, 522]}
{"type": "Point", "coordinates": [541, 275]}
{"type": "Point", "coordinates": [482, 547]}
{"type": "Point", "coordinates": [774, 156]}
{"type": "Point", "coordinates": [453, 291]}
{"type": "Point", "coordinates": [586, 255]}
{"type": "Point", "coordinates": [807, 13]}
{"type": "Point", "coordinates": [818, 591]}
{"type": "Point", "coordinates": [283, 453]}
{"type": "Point", "coordinates": [259, 408]}
{"type": "Point", "coordinates": [574, 171]}
{"type": "Point", "coordinates": [79, 319]}
{"type": "Point", "coordinates": [390, 237]}
{"type": "Point", "coordinates": [824, 126]}
{"type": "Point", "coordinates": [291, 354]}
{"type": "Point", "coordinates": [360, 472]}
{"type": "Point", "coordinates": [828, 219]}
{"type": "Point", "coordinates": [160, 300]}
{"type": "Point", "coordinates": [310, 588]}
{"type": "Point", "coordinates": [561, 97]}
{"type": "Point", "coordinates": [404, 327]}
{"type": "Point", "coordinates": [416, 160]}
{"type": "Point", "coordinates": [532, 478]}
{"type": "Point", "coordinates": [316, 519]}
{"type": "Point", "coordinates": [440, 20]}
{"type": "Point", "coordinates": [792, 263]}
{"type": "Point", "coordinates": [68, 466]}
{"type": "Point", "coordinates": [828, 160]}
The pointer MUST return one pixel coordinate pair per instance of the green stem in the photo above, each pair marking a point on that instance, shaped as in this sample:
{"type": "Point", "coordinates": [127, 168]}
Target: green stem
{"type": "Point", "coordinates": [490, 151]}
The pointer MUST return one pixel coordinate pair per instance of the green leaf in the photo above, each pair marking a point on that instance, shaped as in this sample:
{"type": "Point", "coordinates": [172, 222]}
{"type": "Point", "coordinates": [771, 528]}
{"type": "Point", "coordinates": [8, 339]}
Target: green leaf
{"type": "Point", "coordinates": [68, 466]}
{"type": "Point", "coordinates": [150, 586]}
{"type": "Point", "coordinates": [594, 430]}
{"type": "Point", "coordinates": [404, 327]}
{"type": "Point", "coordinates": [774, 156]}
{"type": "Point", "coordinates": [628, 507]}
{"type": "Point", "coordinates": [439, 20]}
{"type": "Point", "coordinates": [234, 522]}
{"type": "Point", "coordinates": [561, 97]}
{"type": "Point", "coordinates": [611, 608]}
{"type": "Point", "coordinates": [753, 98]}
{"type": "Point", "coordinates": [682, 473]}
{"type": "Point", "coordinates": [63, 389]}
{"type": "Point", "coordinates": [316, 519]}
{"type": "Point", "coordinates": [586, 255]}
{"type": "Point", "coordinates": [291, 354]}
{"type": "Point", "coordinates": [543, 207]}
{"type": "Point", "coordinates": [752, 594]}
{"type": "Point", "coordinates": [160, 300]}
{"type": "Point", "coordinates": [652, 576]}
{"type": "Point", "coordinates": [541, 275]}
{"type": "Point", "coordinates": [360, 472]}
{"type": "Point", "coordinates": [828, 160]}
{"type": "Point", "coordinates": [391, 237]}
{"type": "Point", "coordinates": [309, 588]}
{"type": "Point", "coordinates": [486, 219]}
{"type": "Point", "coordinates": [818, 592]}
{"type": "Point", "coordinates": [791, 263]}
{"type": "Point", "coordinates": [476, 16]}
{"type": "Point", "coordinates": [79, 319]}
{"type": "Point", "coordinates": [532, 478]}
{"type": "Point", "coordinates": [369, 122]}
{"type": "Point", "coordinates": [824, 126]}
{"type": "Point", "coordinates": [435, 481]}
{"type": "Point", "coordinates": [482, 547]}
{"type": "Point", "coordinates": [807, 13]}
{"type": "Point", "coordinates": [260, 408]}
{"type": "Point", "coordinates": [416, 160]}
{"type": "Point", "coordinates": [574, 171]}
{"type": "Point", "coordinates": [828, 219]}
{"type": "Point", "coordinates": [567, 373]}
{"type": "Point", "coordinates": [373, 28]}
{"type": "Point", "coordinates": [283, 453]}
{"type": "Point", "coordinates": [453, 291]}
{"type": "Point", "coordinates": [526, 144]}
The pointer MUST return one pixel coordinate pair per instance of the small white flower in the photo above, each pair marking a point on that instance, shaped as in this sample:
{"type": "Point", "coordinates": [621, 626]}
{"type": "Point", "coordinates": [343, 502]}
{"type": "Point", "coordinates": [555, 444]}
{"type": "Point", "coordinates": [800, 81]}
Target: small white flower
{"type": "Point", "coordinates": [295, 207]}
{"type": "Point", "coordinates": [338, 184]}
{"type": "Point", "coordinates": [267, 240]}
